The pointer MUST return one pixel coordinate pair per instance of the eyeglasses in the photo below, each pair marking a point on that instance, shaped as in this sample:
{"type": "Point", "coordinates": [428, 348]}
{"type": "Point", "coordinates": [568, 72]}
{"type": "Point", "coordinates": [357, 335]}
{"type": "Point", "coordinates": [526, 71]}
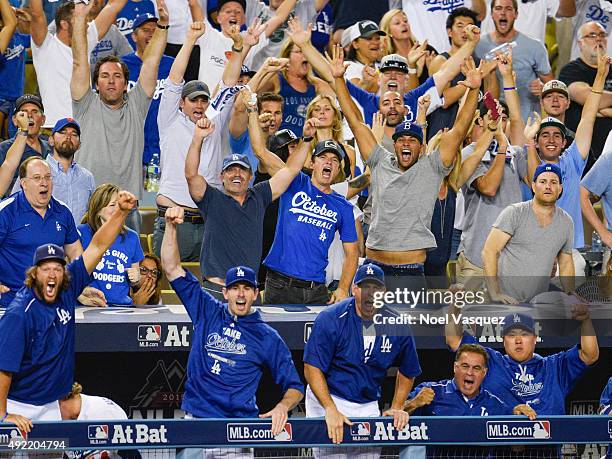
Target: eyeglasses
{"type": "Point", "coordinates": [593, 35]}
{"type": "Point", "coordinates": [154, 272]}
{"type": "Point", "coordinates": [39, 178]}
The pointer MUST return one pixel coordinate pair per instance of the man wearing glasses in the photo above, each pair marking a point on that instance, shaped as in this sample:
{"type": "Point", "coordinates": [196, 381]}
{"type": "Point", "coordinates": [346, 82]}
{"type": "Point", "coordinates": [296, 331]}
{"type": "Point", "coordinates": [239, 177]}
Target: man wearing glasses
{"type": "Point", "coordinates": [579, 76]}
{"type": "Point", "coordinates": [29, 219]}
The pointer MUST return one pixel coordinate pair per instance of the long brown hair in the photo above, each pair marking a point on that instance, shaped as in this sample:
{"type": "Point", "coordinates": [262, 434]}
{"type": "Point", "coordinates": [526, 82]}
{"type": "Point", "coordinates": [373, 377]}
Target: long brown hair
{"type": "Point", "coordinates": [157, 295]}
{"type": "Point", "coordinates": [98, 201]}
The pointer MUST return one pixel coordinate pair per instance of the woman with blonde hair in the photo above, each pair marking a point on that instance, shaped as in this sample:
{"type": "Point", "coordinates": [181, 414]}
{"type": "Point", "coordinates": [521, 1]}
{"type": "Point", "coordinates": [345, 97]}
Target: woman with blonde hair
{"type": "Point", "coordinates": [119, 267]}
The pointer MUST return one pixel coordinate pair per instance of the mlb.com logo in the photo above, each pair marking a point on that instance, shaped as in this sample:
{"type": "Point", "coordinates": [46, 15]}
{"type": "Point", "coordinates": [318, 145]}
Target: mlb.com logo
{"type": "Point", "coordinates": [97, 434]}
{"type": "Point", "coordinates": [524, 430]}
{"type": "Point", "coordinates": [360, 431]}
{"type": "Point", "coordinates": [9, 435]}
{"type": "Point", "coordinates": [257, 432]}
{"type": "Point", "coordinates": [149, 335]}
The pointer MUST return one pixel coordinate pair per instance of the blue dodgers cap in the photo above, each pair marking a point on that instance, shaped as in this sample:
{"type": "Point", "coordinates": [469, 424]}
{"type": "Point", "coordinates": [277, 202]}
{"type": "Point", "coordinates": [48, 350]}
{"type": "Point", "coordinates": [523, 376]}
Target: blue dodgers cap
{"type": "Point", "coordinates": [61, 124]}
{"type": "Point", "coordinates": [520, 321]}
{"type": "Point", "coordinates": [547, 167]}
{"type": "Point", "coordinates": [408, 128]}
{"type": "Point", "coordinates": [328, 145]}
{"type": "Point", "coordinates": [142, 18]}
{"type": "Point", "coordinates": [235, 158]}
{"type": "Point", "coordinates": [49, 252]}
{"type": "Point", "coordinates": [369, 271]}
{"type": "Point", "coordinates": [240, 274]}
{"type": "Point", "coordinates": [244, 70]}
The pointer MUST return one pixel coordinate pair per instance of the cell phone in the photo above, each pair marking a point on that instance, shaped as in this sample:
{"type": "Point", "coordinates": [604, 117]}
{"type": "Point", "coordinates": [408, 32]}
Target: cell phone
{"type": "Point", "coordinates": [489, 102]}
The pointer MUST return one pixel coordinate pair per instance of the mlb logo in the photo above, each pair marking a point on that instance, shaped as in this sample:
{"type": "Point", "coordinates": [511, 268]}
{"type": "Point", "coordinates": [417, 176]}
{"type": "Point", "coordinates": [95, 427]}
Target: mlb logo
{"type": "Point", "coordinates": [97, 432]}
{"type": "Point", "coordinates": [286, 434]}
{"type": "Point", "coordinates": [9, 434]}
{"type": "Point", "coordinates": [360, 429]}
{"type": "Point", "coordinates": [541, 430]}
{"type": "Point", "coordinates": [149, 333]}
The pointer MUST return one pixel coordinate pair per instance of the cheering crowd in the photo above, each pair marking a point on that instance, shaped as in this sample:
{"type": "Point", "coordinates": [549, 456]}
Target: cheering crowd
{"type": "Point", "coordinates": [314, 150]}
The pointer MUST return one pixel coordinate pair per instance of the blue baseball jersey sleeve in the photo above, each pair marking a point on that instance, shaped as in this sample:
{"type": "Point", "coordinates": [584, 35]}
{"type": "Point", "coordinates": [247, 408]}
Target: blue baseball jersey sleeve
{"type": "Point", "coordinates": [605, 402]}
{"type": "Point", "coordinates": [228, 355]}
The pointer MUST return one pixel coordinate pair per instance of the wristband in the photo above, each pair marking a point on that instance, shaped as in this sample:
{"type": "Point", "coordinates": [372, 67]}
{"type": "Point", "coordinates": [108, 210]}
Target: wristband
{"type": "Point", "coordinates": [22, 132]}
{"type": "Point", "coordinates": [510, 88]}
{"type": "Point", "coordinates": [163, 27]}
{"type": "Point", "coordinates": [412, 71]}
{"type": "Point", "coordinates": [307, 139]}
{"type": "Point", "coordinates": [251, 110]}
{"type": "Point", "coordinates": [596, 92]}
{"type": "Point", "coordinates": [237, 50]}
{"type": "Point", "coordinates": [4, 417]}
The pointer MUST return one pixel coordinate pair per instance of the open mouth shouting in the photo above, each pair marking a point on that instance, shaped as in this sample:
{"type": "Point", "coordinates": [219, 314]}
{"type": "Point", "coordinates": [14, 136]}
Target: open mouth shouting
{"type": "Point", "coordinates": [327, 172]}
{"type": "Point", "coordinates": [392, 85]}
{"type": "Point", "coordinates": [406, 155]}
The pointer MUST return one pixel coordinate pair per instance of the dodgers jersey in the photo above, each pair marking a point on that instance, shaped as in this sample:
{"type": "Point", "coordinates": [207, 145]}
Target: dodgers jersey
{"type": "Point", "coordinates": [37, 341]}
{"type": "Point", "coordinates": [307, 222]}
{"type": "Point", "coordinates": [541, 382]}
{"type": "Point", "coordinates": [228, 355]}
{"type": "Point", "coordinates": [449, 401]}
{"type": "Point", "coordinates": [605, 402]}
{"type": "Point", "coordinates": [354, 364]}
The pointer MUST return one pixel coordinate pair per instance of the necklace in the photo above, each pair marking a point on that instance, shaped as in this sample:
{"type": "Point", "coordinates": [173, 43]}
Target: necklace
{"type": "Point", "coordinates": [442, 214]}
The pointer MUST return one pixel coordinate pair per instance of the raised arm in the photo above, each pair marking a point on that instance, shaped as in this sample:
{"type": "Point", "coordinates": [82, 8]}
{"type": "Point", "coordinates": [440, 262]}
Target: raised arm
{"type": "Point", "coordinates": [530, 133]}
{"type": "Point", "coordinates": [517, 125]}
{"type": "Point", "coordinates": [231, 72]}
{"type": "Point", "coordinates": [197, 14]}
{"type": "Point", "coordinates": [108, 16]}
{"type": "Point", "coordinates": [280, 16]}
{"type": "Point", "coordinates": [589, 348]}
{"type": "Point", "coordinates": [153, 53]}
{"type": "Point", "coordinates": [469, 164]}
{"type": "Point", "coordinates": [488, 184]}
{"type": "Point", "coordinates": [80, 82]}
{"type": "Point", "coordinates": [38, 25]}
{"type": "Point", "coordinates": [9, 18]}
{"type": "Point", "coordinates": [14, 153]}
{"type": "Point", "coordinates": [452, 66]}
{"type": "Point", "coordinates": [108, 232]}
{"type": "Point", "coordinates": [591, 216]}
{"type": "Point", "coordinates": [403, 386]}
{"type": "Point", "coordinates": [301, 37]}
{"type": "Point", "coordinates": [177, 71]}
{"type": "Point", "coordinates": [196, 183]}
{"type": "Point", "coordinates": [170, 256]}
{"type": "Point", "coordinates": [584, 131]}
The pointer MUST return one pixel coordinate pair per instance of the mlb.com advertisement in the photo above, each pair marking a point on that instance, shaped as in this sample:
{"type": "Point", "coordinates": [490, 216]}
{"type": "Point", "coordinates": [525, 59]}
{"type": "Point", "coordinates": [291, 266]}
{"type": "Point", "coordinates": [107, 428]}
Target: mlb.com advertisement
{"type": "Point", "coordinates": [518, 430]}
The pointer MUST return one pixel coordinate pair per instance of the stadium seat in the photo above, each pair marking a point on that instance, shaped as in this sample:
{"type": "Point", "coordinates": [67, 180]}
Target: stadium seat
{"type": "Point", "coordinates": [144, 242]}
{"type": "Point", "coordinates": [148, 215]}
{"type": "Point", "coordinates": [451, 271]}
{"type": "Point", "coordinates": [150, 243]}
{"type": "Point", "coordinates": [170, 297]}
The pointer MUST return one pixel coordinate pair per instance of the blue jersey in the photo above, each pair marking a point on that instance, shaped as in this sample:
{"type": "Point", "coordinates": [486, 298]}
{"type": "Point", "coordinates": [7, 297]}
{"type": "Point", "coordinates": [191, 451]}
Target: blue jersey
{"type": "Point", "coordinates": [228, 356]}
{"type": "Point", "coordinates": [22, 230]}
{"type": "Point", "coordinates": [307, 222]}
{"type": "Point", "coordinates": [294, 108]}
{"type": "Point", "coordinates": [541, 382]}
{"type": "Point", "coordinates": [322, 28]}
{"type": "Point", "coordinates": [12, 67]}
{"type": "Point", "coordinates": [110, 276]}
{"type": "Point", "coordinates": [37, 341]}
{"type": "Point", "coordinates": [449, 401]}
{"type": "Point", "coordinates": [605, 402]}
{"type": "Point", "coordinates": [369, 102]}
{"type": "Point", "coordinates": [242, 146]}
{"type": "Point", "coordinates": [355, 365]}
{"type": "Point", "coordinates": [151, 130]}
{"type": "Point", "coordinates": [132, 9]}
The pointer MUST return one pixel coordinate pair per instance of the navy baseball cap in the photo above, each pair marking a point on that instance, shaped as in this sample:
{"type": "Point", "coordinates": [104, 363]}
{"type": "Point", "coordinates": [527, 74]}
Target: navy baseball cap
{"type": "Point", "coordinates": [518, 321]}
{"type": "Point", "coordinates": [242, 3]}
{"type": "Point", "coordinates": [28, 99]}
{"type": "Point", "coordinates": [195, 89]}
{"type": "Point", "coordinates": [235, 158]}
{"type": "Point", "coordinates": [328, 145]}
{"type": "Point", "coordinates": [547, 167]}
{"type": "Point", "coordinates": [240, 274]}
{"type": "Point", "coordinates": [280, 139]}
{"type": "Point", "coordinates": [143, 18]}
{"type": "Point", "coordinates": [61, 124]}
{"type": "Point", "coordinates": [408, 128]}
{"type": "Point", "coordinates": [49, 252]}
{"type": "Point", "coordinates": [371, 272]}
{"type": "Point", "coordinates": [244, 70]}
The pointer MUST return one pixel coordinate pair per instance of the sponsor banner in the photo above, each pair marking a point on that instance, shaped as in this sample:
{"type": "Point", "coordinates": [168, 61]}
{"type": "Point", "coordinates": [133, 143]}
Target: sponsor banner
{"type": "Point", "coordinates": [257, 433]}
{"type": "Point", "coordinates": [518, 430]}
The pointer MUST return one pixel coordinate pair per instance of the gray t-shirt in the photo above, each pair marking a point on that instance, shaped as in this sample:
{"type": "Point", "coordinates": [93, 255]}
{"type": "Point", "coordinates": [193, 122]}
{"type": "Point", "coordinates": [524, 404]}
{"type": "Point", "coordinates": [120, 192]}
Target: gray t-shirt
{"type": "Point", "coordinates": [403, 202]}
{"type": "Point", "coordinates": [529, 59]}
{"type": "Point", "coordinates": [525, 263]}
{"type": "Point", "coordinates": [112, 141]}
{"type": "Point", "coordinates": [481, 211]}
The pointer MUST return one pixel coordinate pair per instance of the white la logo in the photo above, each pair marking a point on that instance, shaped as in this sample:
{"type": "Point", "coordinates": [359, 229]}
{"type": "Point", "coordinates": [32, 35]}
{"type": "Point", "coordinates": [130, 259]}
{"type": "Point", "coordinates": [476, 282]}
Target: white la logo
{"type": "Point", "coordinates": [517, 318]}
{"type": "Point", "coordinates": [50, 250]}
{"type": "Point", "coordinates": [385, 345]}
{"type": "Point", "coordinates": [64, 316]}
{"type": "Point", "coordinates": [240, 272]}
{"type": "Point", "coordinates": [369, 270]}
{"type": "Point", "coordinates": [235, 157]}
{"type": "Point", "coordinates": [58, 227]}
{"type": "Point", "coordinates": [523, 376]}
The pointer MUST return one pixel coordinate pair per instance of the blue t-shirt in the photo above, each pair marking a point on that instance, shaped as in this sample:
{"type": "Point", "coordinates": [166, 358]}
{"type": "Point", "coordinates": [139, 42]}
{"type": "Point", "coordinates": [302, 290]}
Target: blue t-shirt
{"type": "Point", "coordinates": [37, 341]}
{"type": "Point", "coordinates": [151, 131]}
{"type": "Point", "coordinates": [355, 365]}
{"type": "Point", "coordinates": [294, 108]}
{"type": "Point", "coordinates": [449, 401]}
{"type": "Point", "coordinates": [307, 222]}
{"type": "Point", "coordinates": [572, 165]}
{"type": "Point", "coordinates": [132, 9]}
{"type": "Point", "coordinates": [598, 182]}
{"type": "Point", "coordinates": [12, 67]}
{"type": "Point", "coordinates": [322, 28]}
{"type": "Point", "coordinates": [110, 276]}
{"type": "Point", "coordinates": [369, 102]}
{"type": "Point", "coordinates": [228, 356]}
{"type": "Point", "coordinates": [541, 382]}
{"type": "Point", "coordinates": [242, 146]}
{"type": "Point", "coordinates": [22, 230]}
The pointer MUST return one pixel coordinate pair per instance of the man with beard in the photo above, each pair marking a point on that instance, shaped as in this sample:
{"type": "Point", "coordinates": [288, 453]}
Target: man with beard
{"type": "Point", "coordinates": [394, 111]}
{"type": "Point", "coordinates": [346, 359]}
{"type": "Point", "coordinates": [72, 184]}
{"type": "Point", "coordinates": [37, 330]}
{"type": "Point", "coordinates": [579, 75]}
{"type": "Point", "coordinates": [28, 219]}
{"type": "Point", "coordinates": [530, 57]}
{"type": "Point", "coordinates": [546, 143]}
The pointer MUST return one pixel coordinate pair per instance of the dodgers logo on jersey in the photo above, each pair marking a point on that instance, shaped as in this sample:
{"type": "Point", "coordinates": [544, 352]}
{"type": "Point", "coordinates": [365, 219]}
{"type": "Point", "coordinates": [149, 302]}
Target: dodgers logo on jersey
{"type": "Point", "coordinates": [385, 345]}
{"type": "Point", "coordinates": [523, 384]}
{"type": "Point", "coordinates": [443, 5]}
{"type": "Point", "coordinates": [63, 315]}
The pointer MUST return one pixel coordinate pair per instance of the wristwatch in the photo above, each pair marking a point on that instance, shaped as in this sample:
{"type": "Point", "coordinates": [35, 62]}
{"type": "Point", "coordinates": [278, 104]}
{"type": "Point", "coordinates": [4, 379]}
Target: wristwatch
{"type": "Point", "coordinates": [23, 132]}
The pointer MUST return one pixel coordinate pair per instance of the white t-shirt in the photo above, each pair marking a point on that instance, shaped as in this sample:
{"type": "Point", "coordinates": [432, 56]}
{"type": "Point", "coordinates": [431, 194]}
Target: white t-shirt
{"type": "Point", "coordinates": [53, 64]}
{"type": "Point", "coordinates": [587, 11]}
{"type": "Point", "coordinates": [428, 20]}
{"type": "Point", "coordinates": [93, 407]}
{"type": "Point", "coordinates": [180, 18]}
{"type": "Point", "coordinates": [531, 18]}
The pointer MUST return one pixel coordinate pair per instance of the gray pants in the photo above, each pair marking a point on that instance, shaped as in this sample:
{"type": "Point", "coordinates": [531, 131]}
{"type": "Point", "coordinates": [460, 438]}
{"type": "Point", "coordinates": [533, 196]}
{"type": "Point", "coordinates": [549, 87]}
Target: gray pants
{"type": "Point", "coordinates": [189, 235]}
